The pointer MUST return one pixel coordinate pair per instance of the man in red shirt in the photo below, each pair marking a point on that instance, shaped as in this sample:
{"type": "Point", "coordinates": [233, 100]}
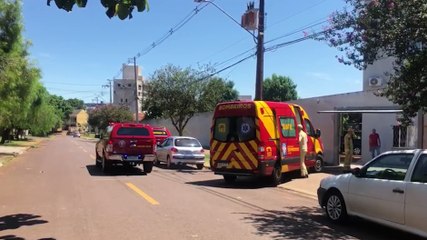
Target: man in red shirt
{"type": "Point", "coordinates": [374, 143]}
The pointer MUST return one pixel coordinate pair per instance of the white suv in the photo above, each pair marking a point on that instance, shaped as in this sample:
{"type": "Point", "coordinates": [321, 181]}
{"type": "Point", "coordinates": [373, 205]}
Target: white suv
{"type": "Point", "coordinates": [391, 189]}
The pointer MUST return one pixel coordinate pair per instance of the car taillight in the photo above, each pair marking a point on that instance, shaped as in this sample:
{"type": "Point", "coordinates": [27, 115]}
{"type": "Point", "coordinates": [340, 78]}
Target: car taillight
{"type": "Point", "coordinates": [202, 151]}
{"type": "Point", "coordinates": [261, 151]}
{"type": "Point", "coordinates": [174, 150]}
{"type": "Point", "coordinates": [109, 147]}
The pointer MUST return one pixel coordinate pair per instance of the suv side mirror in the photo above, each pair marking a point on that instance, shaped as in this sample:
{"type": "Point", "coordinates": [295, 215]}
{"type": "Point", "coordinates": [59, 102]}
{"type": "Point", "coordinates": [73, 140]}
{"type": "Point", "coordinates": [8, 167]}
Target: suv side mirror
{"type": "Point", "coordinates": [318, 133]}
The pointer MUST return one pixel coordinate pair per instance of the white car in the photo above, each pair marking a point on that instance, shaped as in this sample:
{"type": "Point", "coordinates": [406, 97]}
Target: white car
{"type": "Point", "coordinates": [391, 189]}
{"type": "Point", "coordinates": [181, 150]}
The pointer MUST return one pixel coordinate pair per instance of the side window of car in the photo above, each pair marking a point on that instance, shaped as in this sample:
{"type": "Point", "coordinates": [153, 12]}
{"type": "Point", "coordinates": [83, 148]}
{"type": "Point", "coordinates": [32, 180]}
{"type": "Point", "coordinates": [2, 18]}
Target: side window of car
{"type": "Point", "coordinates": [309, 128]}
{"type": "Point", "coordinates": [166, 142]}
{"type": "Point", "coordinates": [389, 167]}
{"type": "Point", "coordinates": [420, 171]}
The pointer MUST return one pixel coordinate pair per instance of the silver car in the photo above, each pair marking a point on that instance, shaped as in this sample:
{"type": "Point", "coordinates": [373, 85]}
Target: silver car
{"type": "Point", "coordinates": [181, 150]}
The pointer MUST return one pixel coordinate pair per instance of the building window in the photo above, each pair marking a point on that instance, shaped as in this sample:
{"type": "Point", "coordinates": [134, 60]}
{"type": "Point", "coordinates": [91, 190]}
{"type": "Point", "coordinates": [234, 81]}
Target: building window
{"type": "Point", "coordinates": [129, 85]}
{"type": "Point", "coordinates": [139, 87]}
{"type": "Point", "coordinates": [114, 91]}
{"type": "Point", "coordinates": [121, 99]}
{"type": "Point", "coordinates": [139, 93]}
{"type": "Point", "coordinates": [118, 85]}
{"type": "Point", "coordinates": [126, 100]}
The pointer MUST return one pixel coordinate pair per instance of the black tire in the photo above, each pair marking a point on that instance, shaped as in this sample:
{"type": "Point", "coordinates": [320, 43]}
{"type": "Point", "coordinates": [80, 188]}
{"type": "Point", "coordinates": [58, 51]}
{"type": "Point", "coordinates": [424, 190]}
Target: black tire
{"type": "Point", "coordinates": [229, 179]}
{"type": "Point", "coordinates": [148, 166]}
{"type": "Point", "coordinates": [199, 166]}
{"type": "Point", "coordinates": [318, 164]}
{"type": "Point", "coordinates": [168, 162]}
{"type": "Point", "coordinates": [276, 176]}
{"type": "Point", "coordinates": [156, 161]}
{"type": "Point", "coordinates": [98, 160]}
{"type": "Point", "coordinates": [335, 208]}
{"type": "Point", "coordinates": [105, 165]}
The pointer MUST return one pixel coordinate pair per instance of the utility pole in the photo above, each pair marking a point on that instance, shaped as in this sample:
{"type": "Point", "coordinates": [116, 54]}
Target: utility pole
{"type": "Point", "coordinates": [111, 89]}
{"type": "Point", "coordinates": [136, 90]}
{"type": "Point", "coordinates": [260, 53]}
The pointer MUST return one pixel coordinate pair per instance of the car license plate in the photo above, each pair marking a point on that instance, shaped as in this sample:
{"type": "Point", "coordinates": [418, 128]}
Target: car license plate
{"type": "Point", "coordinates": [222, 165]}
{"type": "Point", "coordinates": [131, 158]}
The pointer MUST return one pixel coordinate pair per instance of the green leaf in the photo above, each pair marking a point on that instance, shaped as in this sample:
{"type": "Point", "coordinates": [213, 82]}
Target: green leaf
{"type": "Point", "coordinates": [122, 11]}
{"type": "Point", "coordinates": [140, 5]}
{"type": "Point", "coordinates": [60, 3]}
{"type": "Point", "coordinates": [81, 3]}
{"type": "Point", "coordinates": [108, 3]}
{"type": "Point", "coordinates": [111, 11]}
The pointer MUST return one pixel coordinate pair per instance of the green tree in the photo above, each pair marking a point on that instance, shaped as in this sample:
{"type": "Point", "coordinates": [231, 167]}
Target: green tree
{"type": "Point", "coordinates": [43, 116]}
{"type": "Point", "coordinates": [101, 117]}
{"type": "Point", "coordinates": [62, 107]}
{"type": "Point", "coordinates": [279, 88]}
{"type": "Point", "coordinates": [76, 103]}
{"type": "Point", "coordinates": [174, 93]}
{"type": "Point", "coordinates": [372, 30]}
{"type": "Point", "coordinates": [121, 8]}
{"type": "Point", "coordinates": [19, 78]}
{"type": "Point", "coordinates": [217, 90]}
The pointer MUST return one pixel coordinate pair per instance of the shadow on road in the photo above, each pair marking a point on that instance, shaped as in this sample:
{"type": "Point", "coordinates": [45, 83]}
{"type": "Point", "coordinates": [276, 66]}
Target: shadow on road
{"type": "Point", "coordinates": [18, 220]}
{"type": "Point", "coordinates": [310, 223]}
{"type": "Point", "coordinates": [118, 170]}
{"type": "Point", "coordinates": [14, 237]}
{"type": "Point", "coordinates": [240, 183]}
{"type": "Point", "coordinates": [180, 168]}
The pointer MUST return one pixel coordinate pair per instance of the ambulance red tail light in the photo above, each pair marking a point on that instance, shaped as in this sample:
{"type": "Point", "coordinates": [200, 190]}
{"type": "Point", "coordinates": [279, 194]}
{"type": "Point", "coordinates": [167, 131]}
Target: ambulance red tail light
{"type": "Point", "coordinates": [174, 150]}
{"type": "Point", "coordinates": [261, 151]}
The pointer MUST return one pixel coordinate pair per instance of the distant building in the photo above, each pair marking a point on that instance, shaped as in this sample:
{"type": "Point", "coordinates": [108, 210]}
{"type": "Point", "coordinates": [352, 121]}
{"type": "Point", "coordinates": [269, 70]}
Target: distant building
{"type": "Point", "coordinates": [78, 120]}
{"type": "Point", "coordinates": [124, 89]}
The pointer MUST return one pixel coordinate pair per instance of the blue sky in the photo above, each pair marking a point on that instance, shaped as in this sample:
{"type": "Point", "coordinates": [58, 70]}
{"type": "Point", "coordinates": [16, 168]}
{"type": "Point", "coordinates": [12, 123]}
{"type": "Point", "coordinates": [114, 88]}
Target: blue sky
{"type": "Point", "coordinates": [78, 51]}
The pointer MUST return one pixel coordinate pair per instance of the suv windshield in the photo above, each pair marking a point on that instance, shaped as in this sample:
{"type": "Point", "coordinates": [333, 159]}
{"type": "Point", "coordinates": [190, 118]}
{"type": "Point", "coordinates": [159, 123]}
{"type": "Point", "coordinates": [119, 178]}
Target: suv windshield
{"type": "Point", "coordinates": [234, 129]}
{"type": "Point", "coordinates": [132, 131]}
{"type": "Point", "coordinates": [187, 142]}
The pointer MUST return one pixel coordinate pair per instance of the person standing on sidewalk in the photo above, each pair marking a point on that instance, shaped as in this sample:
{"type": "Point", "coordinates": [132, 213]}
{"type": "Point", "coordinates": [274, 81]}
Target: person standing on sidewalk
{"type": "Point", "coordinates": [303, 150]}
{"type": "Point", "coordinates": [348, 148]}
{"type": "Point", "coordinates": [374, 143]}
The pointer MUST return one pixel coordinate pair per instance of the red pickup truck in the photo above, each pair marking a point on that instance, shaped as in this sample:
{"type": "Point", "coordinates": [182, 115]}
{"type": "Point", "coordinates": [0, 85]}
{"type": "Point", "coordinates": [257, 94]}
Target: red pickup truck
{"type": "Point", "coordinates": [129, 144]}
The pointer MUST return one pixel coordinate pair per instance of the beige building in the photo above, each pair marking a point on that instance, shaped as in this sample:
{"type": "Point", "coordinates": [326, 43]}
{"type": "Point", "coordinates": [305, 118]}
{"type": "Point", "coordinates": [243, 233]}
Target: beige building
{"type": "Point", "coordinates": [78, 120]}
{"type": "Point", "coordinates": [124, 89]}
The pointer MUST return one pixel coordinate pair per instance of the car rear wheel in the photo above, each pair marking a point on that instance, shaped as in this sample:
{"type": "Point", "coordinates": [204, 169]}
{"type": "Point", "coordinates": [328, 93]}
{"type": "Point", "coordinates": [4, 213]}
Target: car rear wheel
{"type": "Point", "coordinates": [229, 178]}
{"type": "Point", "coordinates": [335, 207]}
{"type": "Point", "coordinates": [169, 164]}
{"type": "Point", "coordinates": [148, 166]}
{"type": "Point", "coordinates": [199, 166]}
{"type": "Point", "coordinates": [276, 176]}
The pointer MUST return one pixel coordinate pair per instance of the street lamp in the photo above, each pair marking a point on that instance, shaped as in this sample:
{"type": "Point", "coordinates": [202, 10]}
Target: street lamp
{"type": "Point", "coordinates": [259, 41]}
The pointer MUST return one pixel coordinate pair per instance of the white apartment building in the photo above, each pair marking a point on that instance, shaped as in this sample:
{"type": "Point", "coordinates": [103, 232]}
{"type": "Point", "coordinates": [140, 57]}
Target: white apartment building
{"type": "Point", "coordinates": [124, 89]}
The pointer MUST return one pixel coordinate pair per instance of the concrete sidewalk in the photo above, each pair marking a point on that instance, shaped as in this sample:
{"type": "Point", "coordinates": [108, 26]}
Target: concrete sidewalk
{"type": "Point", "coordinates": [8, 152]}
{"type": "Point", "coordinates": [308, 186]}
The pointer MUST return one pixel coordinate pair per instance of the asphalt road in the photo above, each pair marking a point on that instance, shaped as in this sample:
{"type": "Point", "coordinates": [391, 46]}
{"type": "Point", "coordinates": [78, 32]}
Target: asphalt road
{"type": "Point", "coordinates": [56, 192]}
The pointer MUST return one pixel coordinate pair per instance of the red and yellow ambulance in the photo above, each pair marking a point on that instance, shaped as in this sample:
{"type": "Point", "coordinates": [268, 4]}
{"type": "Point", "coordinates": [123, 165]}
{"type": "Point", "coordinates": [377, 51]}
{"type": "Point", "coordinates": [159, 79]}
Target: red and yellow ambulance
{"type": "Point", "coordinates": [260, 138]}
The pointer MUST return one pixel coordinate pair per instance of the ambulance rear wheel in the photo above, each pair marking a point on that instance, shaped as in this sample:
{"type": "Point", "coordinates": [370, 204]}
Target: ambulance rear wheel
{"type": "Point", "coordinates": [318, 165]}
{"type": "Point", "coordinates": [276, 176]}
{"type": "Point", "coordinates": [229, 178]}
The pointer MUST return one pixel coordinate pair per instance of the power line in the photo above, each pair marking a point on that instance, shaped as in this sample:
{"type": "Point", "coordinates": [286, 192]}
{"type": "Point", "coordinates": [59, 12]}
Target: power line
{"type": "Point", "coordinates": [71, 84]}
{"type": "Point", "coordinates": [308, 26]}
